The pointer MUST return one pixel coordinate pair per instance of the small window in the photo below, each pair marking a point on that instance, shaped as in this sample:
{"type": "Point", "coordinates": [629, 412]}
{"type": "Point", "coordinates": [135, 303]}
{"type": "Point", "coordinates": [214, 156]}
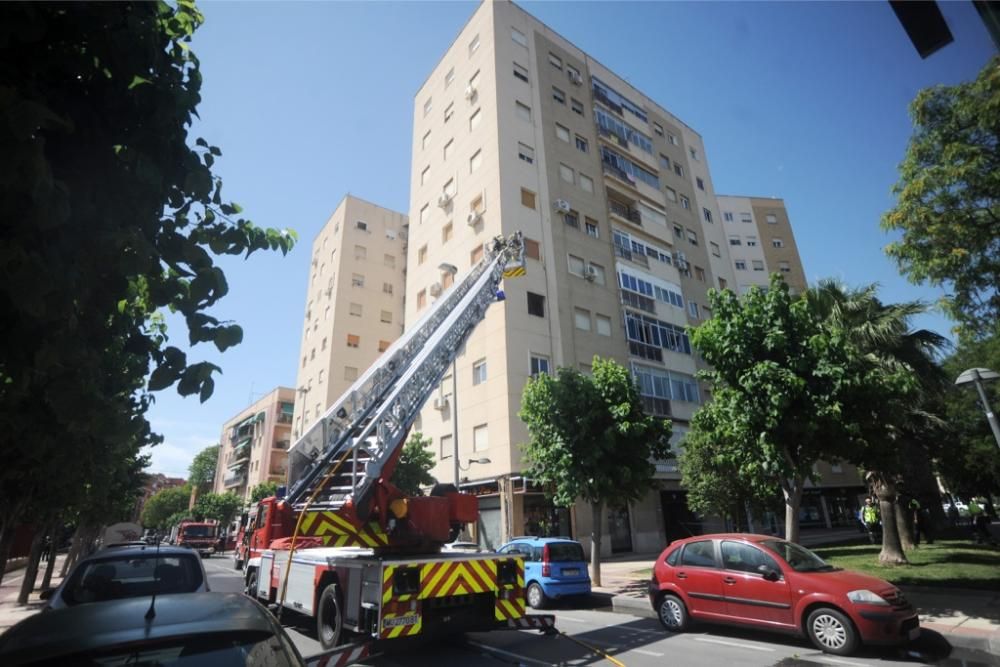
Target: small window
{"type": "Point", "coordinates": [387, 288]}
{"type": "Point", "coordinates": [322, 345]}
{"type": "Point", "coordinates": [426, 140]}
{"type": "Point", "coordinates": [581, 319]}
{"type": "Point", "coordinates": [555, 61]}
{"type": "Point", "coordinates": [727, 216]}
{"type": "Point", "coordinates": [715, 248]}
{"type": "Point", "coordinates": [693, 309]}
{"type": "Point", "coordinates": [671, 194]}
{"type": "Point", "coordinates": [562, 133]}
{"type": "Point", "coordinates": [701, 183]}
{"type": "Point", "coordinates": [740, 264]}
{"type": "Point", "coordinates": [421, 299]}
{"type": "Point", "coordinates": [678, 231]}
{"type": "Point", "coordinates": [758, 265]}
{"type": "Point", "coordinates": [558, 95]}
{"type": "Point", "coordinates": [706, 214]}
{"type": "Point", "coordinates": [751, 241]}
{"type": "Point", "coordinates": [692, 237]}
{"type": "Point", "coordinates": [572, 219]}
{"type": "Point", "coordinates": [745, 558]}
{"type": "Point", "coordinates": [519, 37]}
{"type": "Point", "coordinates": [699, 554]}
{"type": "Point", "coordinates": [527, 198]}
{"type": "Point", "coordinates": [356, 310]}
{"type": "Point", "coordinates": [425, 212]}
{"type": "Point", "coordinates": [360, 252]}
{"type": "Point", "coordinates": [475, 161]}
{"type": "Point", "coordinates": [536, 304]}
{"type": "Point", "coordinates": [446, 233]}
{"type": "Point", "coordinates": [685, 202]}
{"type": "Point", "coordinates": [576, 265]}
{"type": "Point", "coordinates": [353, 341]}
{"type": "Point", "coordinates": [673, 557]}
{"type": "Point", "coordinates": [422, 254]}
{"type": "Point", "coordinates": [777, 242]}
{"type": "Point", "coordinates": [447, 448]}
{"type": "Point", "coordinates": [784, 267]}
{"type": "Point", "coordinates": [480, 438]}
{"type": "Point", "coordinates": [350, 373]}
{"type": "Point", "coordinates": [448, 148]}
{"type": "Point", "coordinates": [602, 325]}
{"type": "Point", "coordinates": [679, 170]}
{"type": "Point", "coordinates": [532, 249]}
{"type": "Point", "coordinates": [566, 173]}
{"type": "Point", "coordinates": [539, 364]}
{"type": "Point", "coordinates": [576, 105]}
{"type": "Point", "coordinates": [693, 152]}
{"type": "Point", "coordinates": [772, 219]}
{"type": "Point", "coordinates": [582, 144]}
{"type": "Point", "coordinates": [474, 119]}
{"type": "Point", "coordinates": [586, 183]}
{"type": "Point", "coordinates": [424, 173]}
{"type": "Point", "coordinates": [746, 218]}
{"type": "Point", "coordinates": [476, 255]}
{"type": "Point", "coordinates": [591, 226]}
{"type": "Point", "coordinates": [523, 111]}
{"type": "Point", "coordinates": [449, 77]}
{"type": "Point", "coordinates": [357, 280]}
{"type": "Point", "coordinates": [734, 239]}
{"type": "Point", "coordinates": [526, 153]}
{"type": "Point", "coordinates": [383, 345]}
{"type": "Point", "coordinates": [474, 45]}
{"type": "Point", "coordinates": [664, 161]}
{"type": "Point", "coordinates": [521, 73]}
{"type": "Point", "coordinates": [672, 139]}
{"type": "Point", "coordinates": [658, 129]}
{"type": "Point", "coordinates": [699, 273]}
{"type": "Point", "coordinates": [428, 105]}
{"type": "Point", "coordinates": [479, 372]}
{"type": "Point", "coordinates": [386, 317]}
{"type": "Point", "coordinates": [449, 112]}
{"type": "Point", "coordinates": [478, 204]}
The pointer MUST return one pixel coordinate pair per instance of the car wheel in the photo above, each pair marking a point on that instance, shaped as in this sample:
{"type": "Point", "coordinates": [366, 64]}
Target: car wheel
{"type": "Point", "coordinates": [329, 620]}
{"type": "Point", "coordinates": [251, 587]}
{"type": "Point", "coordinates": [672, 613]}
{"type": "Point", "coordinates": [536, 596]}
{"type": "Point", "coordinates": [831, 631]}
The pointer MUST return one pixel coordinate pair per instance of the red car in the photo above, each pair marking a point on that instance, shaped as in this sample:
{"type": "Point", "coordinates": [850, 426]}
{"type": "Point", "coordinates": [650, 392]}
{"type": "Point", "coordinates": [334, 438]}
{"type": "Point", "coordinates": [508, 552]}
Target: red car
{"type": "Point", "coordinates": [765, 582]}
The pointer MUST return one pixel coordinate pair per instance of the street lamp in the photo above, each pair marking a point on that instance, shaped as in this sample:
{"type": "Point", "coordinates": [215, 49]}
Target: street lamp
{"type": "Point", "coordinates": [482, 461]}
{"type": "Point", "coordinates": [452, 269]}
{"type": "Point", "coordinates": [976, 376]}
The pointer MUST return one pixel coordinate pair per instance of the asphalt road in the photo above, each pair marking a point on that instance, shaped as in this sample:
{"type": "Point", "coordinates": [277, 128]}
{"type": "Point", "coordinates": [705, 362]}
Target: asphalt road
{"type": "Point", "coordinates": [591, 633]}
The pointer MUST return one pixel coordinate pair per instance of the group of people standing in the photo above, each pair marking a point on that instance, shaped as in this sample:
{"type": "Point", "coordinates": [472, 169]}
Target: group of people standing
{"type": "Point", "coordinates": [869, 515]}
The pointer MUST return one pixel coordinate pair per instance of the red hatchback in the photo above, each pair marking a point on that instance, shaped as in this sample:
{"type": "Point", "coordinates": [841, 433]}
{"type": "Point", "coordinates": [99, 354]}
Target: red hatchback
{"type": "Point", "coordinates": [765, 582]}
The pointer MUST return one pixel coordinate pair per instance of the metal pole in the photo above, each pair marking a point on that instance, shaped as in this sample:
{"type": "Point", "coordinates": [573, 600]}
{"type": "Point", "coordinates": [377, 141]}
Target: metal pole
{"type": "Point", "coordinates": [992, 418]}
{"type": "Point", "coordinates": [454, 419]}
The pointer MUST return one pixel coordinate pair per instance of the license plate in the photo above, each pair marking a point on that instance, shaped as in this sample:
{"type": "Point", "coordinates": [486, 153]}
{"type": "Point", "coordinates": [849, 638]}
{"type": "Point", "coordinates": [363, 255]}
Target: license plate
{"type": "Point", "coordinates": [914, 633]}
{"type": "Point", "coordinates": [571, 571]}
{"type": "Point", "coordinates": [409, 619]}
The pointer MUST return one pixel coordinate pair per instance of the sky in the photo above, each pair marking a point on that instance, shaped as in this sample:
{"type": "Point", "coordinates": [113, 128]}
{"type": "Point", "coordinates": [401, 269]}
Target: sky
{"type": "Point", "coordinates": [310, 101]}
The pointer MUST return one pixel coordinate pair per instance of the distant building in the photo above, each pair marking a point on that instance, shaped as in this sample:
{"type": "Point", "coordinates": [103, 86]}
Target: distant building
{"type": "Point", "coordinates": [155, 482]}
{"type": "Point", "coordinates": [760, 242]}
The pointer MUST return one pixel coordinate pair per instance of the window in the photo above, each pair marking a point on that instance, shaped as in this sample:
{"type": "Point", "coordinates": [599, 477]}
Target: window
{"type": "Point", "coordinates": [572, 219]}
{"type": "Point", "coordinates": [699, 273]}
{"type": "Point", "coordinates": [582, 144]}
{"type": "Point", "coordinates": [741, 264]}
{"type": "Point", "coordinates": [566, 173]}
{"type": "Point", "coordinates": [699, 554]}
{"type": "Point", "coordinates": [520, 73]}
{"type": "Point", "coordinates": [320, 376]}
{"type": "Point", "coordinates": [304, 361]}
{"type": "Point", "coordinates": [449, 112]}
{"type": "Point", "coordinates": [350, 373]}
{"type": "Point", "coordinates": [602, 325]}
{"type": "Point", "coordinates": [357, 280]}
{"type": "Point", "coordinates": [693, 309]}
{"type": "Point", "coordinates": [576, 105]}
{"type": "Point", "coordinates": [475, 118]}
{"type": "Point", "coordinates": [474, 45]}
{"type": "Point", "coordinates": [428, 106]}
{"type": "Point", "coordinates": [383, 345]}
{"type": "Point", "coordinates": [426, 140]}
{"type": "Point", "coordinates": [526, 153]}
{"type": "Point", "coordinates": [477, 204]}
{"type": "Point", "coordinates": [322, 345]}
{"type": "Point", "coordinates": [527, 198]}
{"type": "Point", "coordinates": [555, 61]}
{"type": "Point", "coordinates": [387, 288]}
{"type": "Point", "coordinates": [693, 152]}
{"type": "Point", "coordinates": [746, 218]}
{"type": "Point", "coordinates": [679, 170]}
{"type": "Point", "coordinates": [447, 279]}
{"type": "Point", "coordinates": [446, 233]}
{"type": "Point", "coordinates": [326, 313]}
{"type": "Point", "coordinates": [727, 216]}
{"type": "Point", "coordinates": [422, 254]}
{"type": "Point", "coordinates": [447, 448]}
{"type": "Point", "coordinates": [597, 271]}
{"type": "Point", "coordinates": [671, 194]}
{"type": "Point", "coordinates": [539, 364]}
{"type": "Point", "coordinates": [536, 304]}
{"type": "Point", "coordinates": [360, 252]}
{"type": "Point", "coordinates": [480, 438]}
{"type": "Point", "coordinates": [685, 202]}
{"type": "Point", "coordinates": [312, 354]}
{"type": "Point", "coordinates": [678, 231]}
{"type": "Point", "coordinates": [532, 249]}
{"type": "Point", "coordinates": [752, 241]}
{"type": "Point", "coordinates": [474, 81]}
{"type": "Point", "coordinates": [586, 183]}
{"type": "Point", "coordinates": [558, 95]}
{"type": "Point", "coordinates": [386, 317]}
{"type": "Point", "coordinates": [715, 248]}
{"type": "Point", "coordinates": [353, 341]}
{"type": "Point", "coordinates": [658, 129]}
{"type": "Point", "coordinates": [758, 265]}
{"type": "Point", "coordinates": [581, 319]}
{"type": "Point", "coordinates": [692, 237]}
{"type": "Point", "coordinates": [573, 74]}
{"type": "Point", "coordinates": [576, 265]}
{"type": "Point", "coordinates": [475, 161]}
{"type": "Point", "coordinates": [722, 283]}
{"type": "Point", "coordinates": [449, 77]}
{"type": "Point", "coordinates": [672, 139]}
{"type": "Point", "coordinates": [562, 133]}
{"type": "Point", "coordinates": [356, 310]}
{"type": "Point", "coordinates": [479, 371]}
{"type": "Point", "coordinates": [784, 267]}
{"type": "Point", "coordinates": [734, 239]}
{"type": "Point", "coordinates": [423, 175]}
{"type": "Point", "coordinates": [476, 255]}
{"type": "Point", "coordinates": [745, 558]}
{"type": "Point", "coordinates": [777, 242]}
{"type": "Point", "coordinates": [421, 299]}
{"type": "Point", "coordinates": [701, 183]}
{"type": "Point", "coordinates": [448, 147]}
{"type": "Point", "coordinates": [519, 37]}
{"type": "Point", "coordinates": [523, 111]}
{"type": "Point", "coordinates": [772, 219]}
{"type": "Point", "coordinates": [591, 226]}
{"type": "Point", "coordinates": [706, 214]}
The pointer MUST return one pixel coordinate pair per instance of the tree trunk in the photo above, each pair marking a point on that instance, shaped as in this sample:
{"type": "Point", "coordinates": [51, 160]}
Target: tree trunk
{"type": "Point", "coordinates": [74, 550]}
{"type": "Point", "coordinates": [51, 565]}
{"type": "Point", "coordinates": [595, 543]}
{"type": "Point", "coordinates": [6, 542]}
{"type": "Point", "coordinates": [31, 572]}
{"type": "Point", "coordinates": [892, 549]}
{"type": "Point", "coordinates": [792, 489]}
{"type": "Point", "coordinates": [904, 524]}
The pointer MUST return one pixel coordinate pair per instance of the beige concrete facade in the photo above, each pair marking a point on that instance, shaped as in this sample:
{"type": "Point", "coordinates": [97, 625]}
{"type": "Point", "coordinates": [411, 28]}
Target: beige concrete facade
{"type": "Point", "coordinates": [253, 446]}
{"type": "Point", "coordinates": [760, 241]}
{"type": "Point", "coordinates": [354, 303]}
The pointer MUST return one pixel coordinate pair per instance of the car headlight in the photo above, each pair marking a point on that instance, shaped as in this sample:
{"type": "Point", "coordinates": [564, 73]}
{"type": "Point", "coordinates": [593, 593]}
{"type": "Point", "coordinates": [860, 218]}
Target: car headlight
{"type": "Point", "coordinates": [865, 596]}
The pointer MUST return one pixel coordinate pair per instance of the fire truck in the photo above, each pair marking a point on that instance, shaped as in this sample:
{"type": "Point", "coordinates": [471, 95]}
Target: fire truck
{"type": "Point", "coordinates": [197, 535]}
{"type": "Point", "coordinates": [348, 548]}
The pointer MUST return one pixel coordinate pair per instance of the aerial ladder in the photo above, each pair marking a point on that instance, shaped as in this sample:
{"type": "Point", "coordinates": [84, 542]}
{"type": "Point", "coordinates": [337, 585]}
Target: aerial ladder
{"type": "Point", "coordinates": [347, 547]}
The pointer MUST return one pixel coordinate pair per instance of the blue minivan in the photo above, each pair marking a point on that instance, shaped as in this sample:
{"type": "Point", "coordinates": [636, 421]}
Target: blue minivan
{"type": "Point", "coordinates": [554, 568]}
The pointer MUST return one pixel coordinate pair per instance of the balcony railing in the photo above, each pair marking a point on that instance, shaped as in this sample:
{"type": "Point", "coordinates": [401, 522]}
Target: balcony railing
{"type": "Point", "coordinates": [644, 351]}
{"type": "Point", "coordinates": [284, 418]}
{"type": "Point", "coordinates": [629, 254]}
{"type": "Point", "coordinates": [658, 407]}
{"type": "Point", "coordinates": [624, 211]}
{"type": "Point", "coordinates": [236, 479]}
{"type": "Point", "coordinates": [613, 136]}
{"type": "Point", "coordinates": [639, 301]}
{"type": "Point", "coordinates": [620, 174]}
{"type": "Point", "coordinates": [606, 101]}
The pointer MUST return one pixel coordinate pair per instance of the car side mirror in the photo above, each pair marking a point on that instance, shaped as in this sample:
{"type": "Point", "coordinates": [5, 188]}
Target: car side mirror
{"type": "Point", "coordinates": [770, 574]}
{"type": "Point", "coordinates": [46, 594]}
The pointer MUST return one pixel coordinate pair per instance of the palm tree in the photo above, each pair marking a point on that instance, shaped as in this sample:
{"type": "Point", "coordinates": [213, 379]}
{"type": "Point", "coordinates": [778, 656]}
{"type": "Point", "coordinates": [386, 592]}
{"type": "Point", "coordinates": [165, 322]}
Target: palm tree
{"type": "Point", "coordinates": [882, 334]}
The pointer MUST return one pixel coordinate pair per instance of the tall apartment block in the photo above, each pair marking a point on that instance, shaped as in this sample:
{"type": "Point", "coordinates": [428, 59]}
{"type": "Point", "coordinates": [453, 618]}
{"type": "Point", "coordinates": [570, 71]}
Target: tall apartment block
{"type": "Point", "coordinates": [354, 303]}
{"type": "Point", "coordinates": [253, 447]}
{"type": "Point", "coordinates": [760, 242]}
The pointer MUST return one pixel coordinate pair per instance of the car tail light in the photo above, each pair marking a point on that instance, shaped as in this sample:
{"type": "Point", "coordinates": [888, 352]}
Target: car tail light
{"type": "Point", "coordinates": [546, 564]}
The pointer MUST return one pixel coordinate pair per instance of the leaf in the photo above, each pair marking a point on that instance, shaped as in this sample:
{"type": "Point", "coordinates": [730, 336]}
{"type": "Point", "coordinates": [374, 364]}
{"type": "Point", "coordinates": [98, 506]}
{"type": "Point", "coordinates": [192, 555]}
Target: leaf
{"type": "Point", "coordinates": [226, 337]}
{"type": "Point", "coordinates": [138, 81]}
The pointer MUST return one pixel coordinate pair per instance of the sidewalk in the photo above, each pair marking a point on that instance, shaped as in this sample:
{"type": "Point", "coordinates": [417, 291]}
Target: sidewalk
{"type": "Point", "coordinates": [10, 611]}
{"type": "Point", "coordinates": [967, 619]}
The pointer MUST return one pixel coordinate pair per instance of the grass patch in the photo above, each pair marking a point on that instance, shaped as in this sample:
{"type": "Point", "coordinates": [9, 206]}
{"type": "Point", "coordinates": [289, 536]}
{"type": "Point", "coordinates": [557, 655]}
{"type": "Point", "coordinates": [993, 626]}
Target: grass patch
{"type": "Point", "coordinates": [644, 573]}
{"type": "Point", "coordinates": [944, 564]}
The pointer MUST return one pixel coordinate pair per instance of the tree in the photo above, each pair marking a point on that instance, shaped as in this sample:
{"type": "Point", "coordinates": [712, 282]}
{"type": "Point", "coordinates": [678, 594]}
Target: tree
{"type": "Point", "coordinates": [591, 440]}
{"type": "Point", "coordinates": [415, 463]}
{"type": "Point", "coordinates": [201, 472]}
{"type": "Point", "coordinates": [221, 507]}
{"type": "Point", "coordinates": [164, 505]}
{"type": "Point", "coordinates": [263, 490]}
{"type": "Point", "coordinates": [948, 198]}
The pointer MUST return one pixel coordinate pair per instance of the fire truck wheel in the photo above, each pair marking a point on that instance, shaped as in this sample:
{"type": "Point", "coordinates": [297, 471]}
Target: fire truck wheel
{"type": "Point", "coordinates": [251, 587]}
{"type": "Point", "coordinates": [329, 619]}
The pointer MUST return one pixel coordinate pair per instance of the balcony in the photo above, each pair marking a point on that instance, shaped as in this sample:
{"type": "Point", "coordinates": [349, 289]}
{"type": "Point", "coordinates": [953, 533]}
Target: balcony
{"type": "Point", "coordinates": [658, 407]}
{"type": "Point", "coordinates": [630, 255]}
{"type": "Point", "coordinates": [601, 97]}
{"type": "Point", "coordinates": [639, 301]}
{"type": "Point", "coordinates": [614, 137]}
{"type": "Point", "coordinates": [624, 211]}
{"type": "Point", "coordinates": [644, 351]}
{"type": "Point", "coordinates": [281, 444]}
{"type": "Point", "coordinates": [620, 174]}
{"type": "Point", "coordinates": [237, 477]}
{"type": "Point", "coordinates": [284, 418]}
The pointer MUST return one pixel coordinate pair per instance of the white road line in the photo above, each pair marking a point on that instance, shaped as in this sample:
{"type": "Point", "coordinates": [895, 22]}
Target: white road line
{"type": "Point", "coordinates": [523, 659]}
{"type": "Point", "coordinates": [842, 662]}
{"type": "Point", "coordinates": [560, 617]}
{"type": "Point", "coordinates": [736, 644]}
{"type": "Point", "coordinates": [652, 653]}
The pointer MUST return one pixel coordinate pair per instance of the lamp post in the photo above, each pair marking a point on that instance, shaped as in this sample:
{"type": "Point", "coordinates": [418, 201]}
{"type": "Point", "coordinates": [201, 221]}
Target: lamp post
{"type": "Point", "coordinates": [453, 270]}
{"type": "Point", "coordinates": [976, 376]}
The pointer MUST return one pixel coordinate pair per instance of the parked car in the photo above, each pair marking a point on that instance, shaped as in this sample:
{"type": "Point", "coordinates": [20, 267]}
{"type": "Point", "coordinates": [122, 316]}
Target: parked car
{"type": "Point", "coordinates": [463, 547]}
{"type": "Point", "coordinates": [127, 572]}
{"type": "Point", "coordinates": [554, 568]}
{"type": "Point", "coordinates": [179, 630]}
{"type": "Point", "coordinates": [766, 582]}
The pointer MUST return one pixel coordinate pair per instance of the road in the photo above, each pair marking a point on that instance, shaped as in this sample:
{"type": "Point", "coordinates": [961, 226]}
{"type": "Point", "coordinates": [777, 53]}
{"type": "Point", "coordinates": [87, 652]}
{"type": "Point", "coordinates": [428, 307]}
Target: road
{"type": "Point", "coordinates": [632, 641]}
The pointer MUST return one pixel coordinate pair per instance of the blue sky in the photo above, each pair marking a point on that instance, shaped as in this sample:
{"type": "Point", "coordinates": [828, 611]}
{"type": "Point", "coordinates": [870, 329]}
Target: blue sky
{"type": "Point", "coordinates": [309, 101]}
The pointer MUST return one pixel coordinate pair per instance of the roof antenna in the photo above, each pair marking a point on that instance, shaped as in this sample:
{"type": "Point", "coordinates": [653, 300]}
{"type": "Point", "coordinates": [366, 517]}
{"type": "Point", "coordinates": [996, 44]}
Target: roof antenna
{"type": "Point", "coordinates": [151, 612]}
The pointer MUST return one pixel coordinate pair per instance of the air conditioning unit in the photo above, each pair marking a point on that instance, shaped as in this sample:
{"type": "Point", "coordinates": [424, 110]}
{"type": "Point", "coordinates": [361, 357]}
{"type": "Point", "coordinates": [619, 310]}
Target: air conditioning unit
{"type": "Point", "coordinates": [470, 92]}
{"type": "Point", "coordinates": [444, 200]}
{"type": "Point", "coordinates": [575, 78]}
{"type": "Point", "coordinates": [435, 289]}
{"type": "Point", "coordinates": [474, 218]}
{"type": "Point", "coordinates": [590, 275]}
{"type": "Point", "coordinates": [562, 205]}
{"type": "Point", "coordinates": [441, 403]}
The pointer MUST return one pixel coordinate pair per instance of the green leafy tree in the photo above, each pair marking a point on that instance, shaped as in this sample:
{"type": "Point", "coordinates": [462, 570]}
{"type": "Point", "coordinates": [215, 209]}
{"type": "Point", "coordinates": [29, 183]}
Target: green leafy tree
{"type": "Point", "coordinates": [263, 490]}
{"type": "Point", "coordinates": [948, 198]}
{"type": "Point", "coordinates": [590, 440]}
{"type": "Point", "coordinates": [221, 507]}
{"type": "Point", "coordinates": [414, 466]}
{"type": "Point", "coordinates": [201, 472]}
{"type": "Point", "coordinates": [164, 505]}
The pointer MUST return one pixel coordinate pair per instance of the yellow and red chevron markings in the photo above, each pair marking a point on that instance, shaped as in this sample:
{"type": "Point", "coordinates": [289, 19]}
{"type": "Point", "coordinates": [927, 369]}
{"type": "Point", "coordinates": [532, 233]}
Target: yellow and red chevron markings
{"type": "Point", "coordinates": [336, 531]}
{"type": "Point", "coordinates": [401, 623]}
{"type": "Point", "coordinates": [510, 597]}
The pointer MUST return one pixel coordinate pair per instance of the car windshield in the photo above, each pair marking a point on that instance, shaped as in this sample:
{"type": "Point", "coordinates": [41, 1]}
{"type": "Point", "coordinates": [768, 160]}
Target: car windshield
{"type": "Point", "coordinates": [565, 552]}
{"type": "Point", "coordinates": [132, 575]}
{"type": "Point", "coordinates": [197, 531]}
{"type": "Point", "coordinates": [798, 558]}
{"type": "Point", "coordinates": [254, 649]}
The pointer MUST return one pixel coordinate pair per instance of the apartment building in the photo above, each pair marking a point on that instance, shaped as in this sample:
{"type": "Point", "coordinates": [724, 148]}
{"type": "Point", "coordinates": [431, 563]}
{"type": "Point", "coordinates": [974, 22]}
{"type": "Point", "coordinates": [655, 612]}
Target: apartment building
{"type": "Point", "coordinates": [760, 241]}
{"type": "Point", "coordinates": [354, 303]}
{"type": "Point", "coordinates": [253, 447]}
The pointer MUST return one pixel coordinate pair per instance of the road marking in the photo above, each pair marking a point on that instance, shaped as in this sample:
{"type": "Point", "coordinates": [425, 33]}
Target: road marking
{"type": "Point", "coordinates": [571, 619]}
{"type": "Point", "coordinates": [499, 651]}
{"type": "Point", "coordinates": [652, 653]}
{"type": "Point", "coordinates": [736, 644]}
{"type": "Point", "coordinates": [842, 662]}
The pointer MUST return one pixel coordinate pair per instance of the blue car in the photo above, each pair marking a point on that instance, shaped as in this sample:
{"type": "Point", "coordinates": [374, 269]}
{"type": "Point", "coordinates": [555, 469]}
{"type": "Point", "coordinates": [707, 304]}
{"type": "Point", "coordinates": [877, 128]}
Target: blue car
{"type": "Point", "coordinates": [554, 568]}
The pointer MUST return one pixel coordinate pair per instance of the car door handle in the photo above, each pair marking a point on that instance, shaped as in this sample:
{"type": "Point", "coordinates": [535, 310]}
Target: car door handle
{"type": "Point", "coordinates": [729, 580]}
{"type": "Point", "coordinates": [681, 575]}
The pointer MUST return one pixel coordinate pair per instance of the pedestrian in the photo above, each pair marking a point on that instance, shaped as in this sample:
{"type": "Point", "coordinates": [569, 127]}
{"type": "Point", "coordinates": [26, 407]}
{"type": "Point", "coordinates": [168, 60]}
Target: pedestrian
{"type": "Point", "coordinates": [953, 515]}
{"type": "Point", "coordinates": [914, 513]}
{"type": "Point", "coordinates": [980, 522]}
{"type": "Point", "coordinates": [869, 513]}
